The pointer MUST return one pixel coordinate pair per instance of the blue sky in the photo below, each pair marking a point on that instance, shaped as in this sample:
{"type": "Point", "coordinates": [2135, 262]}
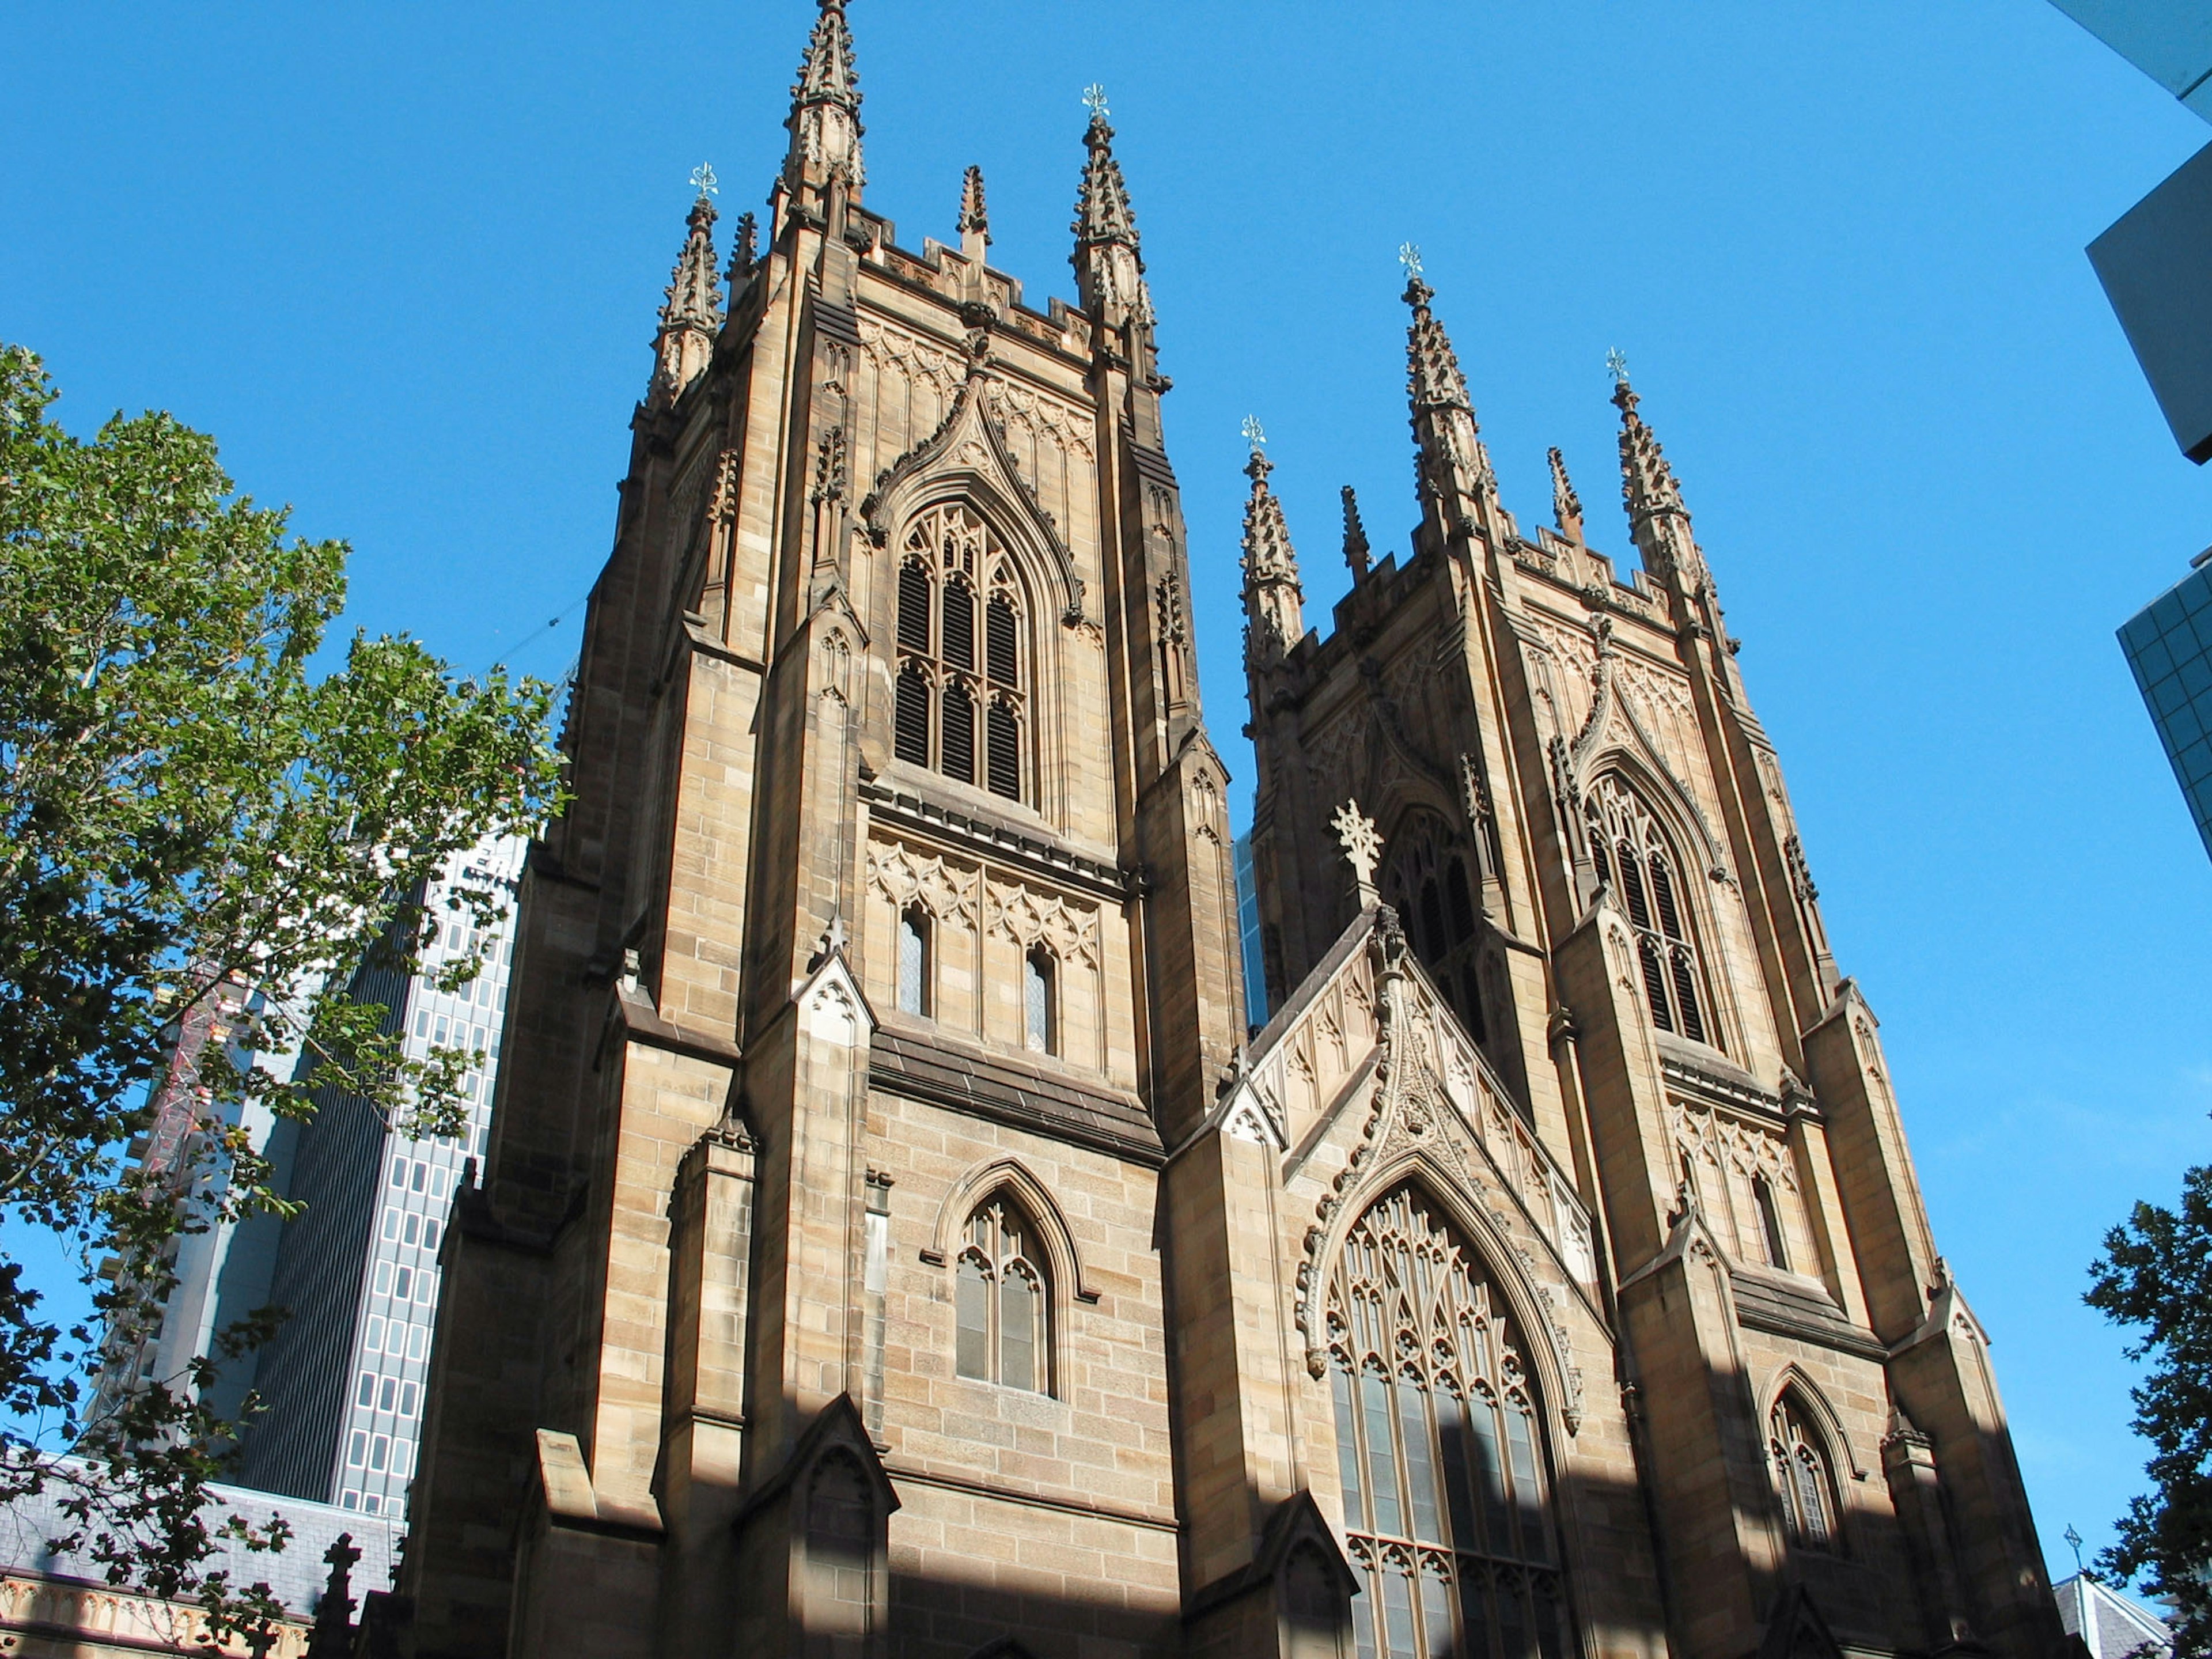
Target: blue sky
{"type": "Point", "coordinates": [403, 261]}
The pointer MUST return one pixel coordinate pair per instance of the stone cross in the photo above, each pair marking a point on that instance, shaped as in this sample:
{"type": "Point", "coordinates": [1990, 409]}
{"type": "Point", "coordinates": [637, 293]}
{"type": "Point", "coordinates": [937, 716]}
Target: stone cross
{"type": "Point", "coordinates": [1362, 846]}
{"type": "Point", "coordinates": [704, 181]}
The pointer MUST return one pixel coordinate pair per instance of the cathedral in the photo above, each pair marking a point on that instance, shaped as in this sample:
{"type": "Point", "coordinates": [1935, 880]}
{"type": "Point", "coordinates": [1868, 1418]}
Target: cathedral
{"type": "Point", "coordinates": [896, 1243]}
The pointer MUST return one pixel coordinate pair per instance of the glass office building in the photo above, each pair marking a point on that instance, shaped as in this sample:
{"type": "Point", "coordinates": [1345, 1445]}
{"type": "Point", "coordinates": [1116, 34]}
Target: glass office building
{"type": "Point", "coordinates": [1247, 936]}
{"type": "Point", "coordinates": [2169, 644]}
{"type": "Point", "coordinates": [341, 1381]}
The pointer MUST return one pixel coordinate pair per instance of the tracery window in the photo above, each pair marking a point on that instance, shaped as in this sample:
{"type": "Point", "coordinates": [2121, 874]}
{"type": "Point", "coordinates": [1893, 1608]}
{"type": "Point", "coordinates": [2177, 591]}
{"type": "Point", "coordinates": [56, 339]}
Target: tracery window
{"type": "Point", "coordinates": [1000, 1301]}
{"type": "Point", "coordinates": [960, 701]}
{"type": "Point", "coordinates": [1426, 881]}
{"type": "Point", "coordinates": [1634, 857]}
{"type": "Point", "coordinates": [1440, 1448]}
{"type": "Point", "coordinates": [1802, 1478]}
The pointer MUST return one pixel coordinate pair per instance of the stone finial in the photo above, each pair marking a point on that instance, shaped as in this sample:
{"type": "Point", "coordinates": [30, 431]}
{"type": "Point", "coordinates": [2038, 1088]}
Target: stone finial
{"type": "Point", "coordinates": [825, 107]}
{"type": "Point", "coordinates": [1363, 848]}
{"type": "Point", "coordinates": [1110, 264]}
{"type": "Point", "coordinates": [332, 1635]}
{"type": "Point", "coordinates": [1566, 506]}
{"type": "Point", "coordinates": [1355, 536]}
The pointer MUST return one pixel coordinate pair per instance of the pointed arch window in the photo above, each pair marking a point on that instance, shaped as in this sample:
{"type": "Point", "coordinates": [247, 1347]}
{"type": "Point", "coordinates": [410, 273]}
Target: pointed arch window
{"type": "Point", "coordinates": [1769, 1223]}
{"type": "Point", "coordinates": [1440, 1448]}
{"type": "Point", "coordinates": [1425, 880]}
{"type": "Point", "coordinates": [1802, 1477]}
{"type": "Point", "coordinates": [1002, 1302]}
{"type": "Point", "coordinates": [1634, 857]}
{"type": "Point", "coordinates": [961, 699]}
{"type": "Point", "coordinates": [1040, 1002]}
{"type": "Point", "coordinates": [913, 961]}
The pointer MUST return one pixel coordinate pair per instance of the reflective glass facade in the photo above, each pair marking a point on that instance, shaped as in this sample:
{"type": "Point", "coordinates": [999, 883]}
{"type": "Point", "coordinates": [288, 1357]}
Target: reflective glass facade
{"type": "Point", "coordinates": [1247, 935]}
{"type": "Point", "coordinates": [2169, 644]}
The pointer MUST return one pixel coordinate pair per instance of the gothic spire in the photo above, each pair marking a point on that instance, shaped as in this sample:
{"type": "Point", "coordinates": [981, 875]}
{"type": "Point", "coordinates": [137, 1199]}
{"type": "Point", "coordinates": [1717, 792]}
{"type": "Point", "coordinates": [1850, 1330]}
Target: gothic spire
{"type": "Point", "coordinates": [1274, 599]}
{"type": "Point", "coordinates": [691, 312]}
{"type": "Point", "coordinates": [1566, 506]}
{"type": "Point", "coordinates": [825, 107]}
{"type": "Point", "coordinates": [1110, 269]}
{"type": "Point", "coordinates": [1453, 472]}
{"type": "Point", "coordinates": [1355, 538]}
{"type": "Point", "coordinates": [1656, 518]}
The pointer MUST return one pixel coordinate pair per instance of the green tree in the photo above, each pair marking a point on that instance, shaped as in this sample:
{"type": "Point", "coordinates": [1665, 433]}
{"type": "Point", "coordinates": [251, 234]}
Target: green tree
{"type": "Point", "coordinates": [193, 796]}
{"type": "Point", "coordinates": [2156, 1273]}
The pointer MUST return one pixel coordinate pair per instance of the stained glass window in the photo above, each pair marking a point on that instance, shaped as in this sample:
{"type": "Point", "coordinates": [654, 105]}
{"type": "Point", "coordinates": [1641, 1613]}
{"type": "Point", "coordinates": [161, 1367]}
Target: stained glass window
{"type": "Point", "coordinates": [913, 961]}
{"type": "Point", "coordinates": [1040, 1016]}
{"type": "Point", "coordinates": [1424, 878]}
{"type": "Point", "coordinates": [1439, 1447]}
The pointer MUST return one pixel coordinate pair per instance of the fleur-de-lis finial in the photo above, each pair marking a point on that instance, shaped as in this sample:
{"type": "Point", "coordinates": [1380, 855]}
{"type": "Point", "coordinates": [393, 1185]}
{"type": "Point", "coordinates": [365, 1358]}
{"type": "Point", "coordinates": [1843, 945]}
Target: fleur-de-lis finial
{"type": "Point", "coordinates": [1094, 100]}
{"type": "Point", "coordinates": [1409, 255]}
{"type": "Point", "coordinates": [704, 181]}
{"type": "Point", "coordinates": [1616, 364]}
{"type": "Point", "coordinates": [1254, 433]}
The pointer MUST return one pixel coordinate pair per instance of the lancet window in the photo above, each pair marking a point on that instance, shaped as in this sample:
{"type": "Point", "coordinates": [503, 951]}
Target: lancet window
{"type": "Point", "coordinates": [1039, 1001]}
{"type": "Point", "coordinates": [961, 690]}
{"type": "Point", "coordinates": [1426, 882]}
{"type": "Point", "coordinates": [1634, 857]}
{"type": "Point", "coordinates": [1440, 1450]}
{"type": "Point", "coordinates": [913, 974]}
{"type": "Point", "coordinates": [1002, 1301]}
{"type": "Point", "coordinates": [1802, 1478]}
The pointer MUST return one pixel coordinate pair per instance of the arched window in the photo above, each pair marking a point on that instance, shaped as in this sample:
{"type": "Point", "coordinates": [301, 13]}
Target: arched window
{"type": "Point", "coordinates": [1633, 857]}
{"type": "Point", "coordinates": [913, 961]}
{"type": "Point", "coordinates": [1040, 1005]}
{"type": "Point", "coordinates": [1424, 879]}
{"type": "Point", "coordinates": [1770, 1222]}
{"type": "Point", "coordinates": [1440, 1448]}
{"type": "Point", "coordinates": [1802, 1477]}
{"type": "Point", "coordinates": [960, 710]}
{"type": "Point", "coordinates": [1002, 1301]}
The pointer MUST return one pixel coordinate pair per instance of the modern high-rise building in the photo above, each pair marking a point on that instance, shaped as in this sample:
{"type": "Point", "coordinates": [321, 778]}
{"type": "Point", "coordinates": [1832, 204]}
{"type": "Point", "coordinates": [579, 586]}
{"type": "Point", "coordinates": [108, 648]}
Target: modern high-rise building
{"type": "Point", "coordinates": [2168, 644]}
{"type": "Point", "coordinates": [341, 1382]}
{"type": "Point", "coordinates": [2152, 260]}
{"type": "Point", "coordinates": [895, 1245]}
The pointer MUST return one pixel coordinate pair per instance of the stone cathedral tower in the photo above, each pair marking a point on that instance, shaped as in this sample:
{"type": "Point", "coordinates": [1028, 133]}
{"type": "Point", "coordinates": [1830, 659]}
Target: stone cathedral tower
{"type": "Point", "coordinates": [892, 1244]}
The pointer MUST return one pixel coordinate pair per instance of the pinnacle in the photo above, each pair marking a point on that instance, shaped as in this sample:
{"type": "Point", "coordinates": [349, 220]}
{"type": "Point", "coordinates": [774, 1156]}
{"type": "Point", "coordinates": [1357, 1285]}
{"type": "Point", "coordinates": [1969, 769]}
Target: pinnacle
{"type": "Point", "coordinates": [1566, 506]}
{"type": "Point", "coordinates": [694, 293]}
{"type": "Point", "coordinates": [974, 216]}
{"type": "Point", "coordinates": [1355, 536]}
{"type": "Point", "coordinates": [1433, 380]}
{"type": "Point", "coordinates": [825, 104]}
{"type": "Point", "coordinates": [1647, 482]}
{"type": "Point", "coordinates": [1268, 554]}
